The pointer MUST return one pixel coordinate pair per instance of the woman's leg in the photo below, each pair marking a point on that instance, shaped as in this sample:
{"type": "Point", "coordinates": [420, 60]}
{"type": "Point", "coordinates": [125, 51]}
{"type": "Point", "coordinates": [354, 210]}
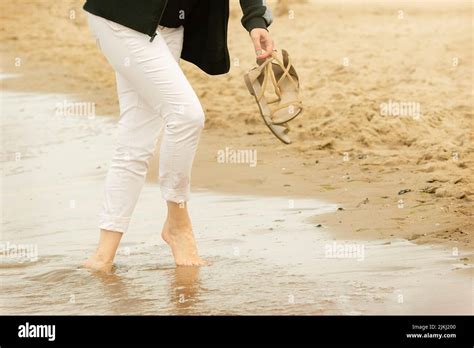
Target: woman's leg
{"type": "Point", "coordinates": [177, 230]}
{"type": "Point", "coordinates": [103, 258]}
{"type": "Point", "coordinates": [152, 90]}
{"type": "Point", "coordinates": [138, 130]}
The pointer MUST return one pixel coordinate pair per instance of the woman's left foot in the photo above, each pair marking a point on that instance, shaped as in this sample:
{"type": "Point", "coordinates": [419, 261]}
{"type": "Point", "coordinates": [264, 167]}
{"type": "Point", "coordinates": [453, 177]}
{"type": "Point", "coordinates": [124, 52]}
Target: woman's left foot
{"type": "Point", "coordinates": [181, 240]}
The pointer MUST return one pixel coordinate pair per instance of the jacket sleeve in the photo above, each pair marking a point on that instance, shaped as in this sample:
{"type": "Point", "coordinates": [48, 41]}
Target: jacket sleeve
{"type": "Point", "coordinates": [256, 14]}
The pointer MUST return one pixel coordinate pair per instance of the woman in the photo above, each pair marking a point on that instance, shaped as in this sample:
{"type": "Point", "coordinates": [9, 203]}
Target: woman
{"type": "Point", "coordinates": [143, 41]}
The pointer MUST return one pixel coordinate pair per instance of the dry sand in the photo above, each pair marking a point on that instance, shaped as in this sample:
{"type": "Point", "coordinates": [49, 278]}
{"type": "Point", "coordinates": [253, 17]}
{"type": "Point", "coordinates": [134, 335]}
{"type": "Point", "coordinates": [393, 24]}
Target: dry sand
{"type": "Point", "coordinates": [352, 56]}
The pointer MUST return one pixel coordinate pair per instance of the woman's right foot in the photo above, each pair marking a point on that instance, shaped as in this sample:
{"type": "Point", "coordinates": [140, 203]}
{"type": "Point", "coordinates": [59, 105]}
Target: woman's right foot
{"type": "Point", "coordinates": [180, 238]}
{"type": "Point", "coordinates": [98, 264]}
{"type": "Point", "coordinates": [103, 257]}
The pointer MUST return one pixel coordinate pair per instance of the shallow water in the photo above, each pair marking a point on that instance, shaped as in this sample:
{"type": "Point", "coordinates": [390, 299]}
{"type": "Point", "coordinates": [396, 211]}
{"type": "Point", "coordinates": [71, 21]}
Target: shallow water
{"type": "Point", "coordinates": [267, 256]}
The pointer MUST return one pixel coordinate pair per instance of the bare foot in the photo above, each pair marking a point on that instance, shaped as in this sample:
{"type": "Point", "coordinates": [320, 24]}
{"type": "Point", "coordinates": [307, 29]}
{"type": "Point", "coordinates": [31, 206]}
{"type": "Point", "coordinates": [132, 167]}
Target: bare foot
{"type": "Point", "coordinates": [96, 263]}
{"type": "Point", "coordinates": [181, 240]}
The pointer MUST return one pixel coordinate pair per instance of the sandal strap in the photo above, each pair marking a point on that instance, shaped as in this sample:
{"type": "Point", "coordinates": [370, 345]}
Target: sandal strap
{"type": "Point", "coordinates": [267, 69]}
{"type": "Point", "coordinates": [286, 71]}
{"type": "Point", "coordinates": [297, 103]}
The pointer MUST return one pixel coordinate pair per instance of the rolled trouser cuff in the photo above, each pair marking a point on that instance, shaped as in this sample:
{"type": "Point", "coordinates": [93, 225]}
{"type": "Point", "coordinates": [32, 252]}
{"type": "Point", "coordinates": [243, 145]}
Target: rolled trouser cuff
{"type": "Point", "coordinates": [114, 223]}
{"type": "Point", "coordinates": [176, 195]}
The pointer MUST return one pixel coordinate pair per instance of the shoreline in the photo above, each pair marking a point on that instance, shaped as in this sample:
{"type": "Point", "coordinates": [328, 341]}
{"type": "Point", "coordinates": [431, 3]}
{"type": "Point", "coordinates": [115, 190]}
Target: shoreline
{"type": "Point", "coordinates": [341, 120]}
{"type": "Point", "coordinates": [360, 197]}
{"type": "Point", "coordinates": [269, 245]}
{"type": "Point", "coordinates": [349, 184]}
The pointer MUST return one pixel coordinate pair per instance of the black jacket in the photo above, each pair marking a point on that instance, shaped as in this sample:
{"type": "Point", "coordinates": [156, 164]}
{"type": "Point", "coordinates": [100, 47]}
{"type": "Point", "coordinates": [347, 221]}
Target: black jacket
{"type": "Point", "coordinates": [205, 32]}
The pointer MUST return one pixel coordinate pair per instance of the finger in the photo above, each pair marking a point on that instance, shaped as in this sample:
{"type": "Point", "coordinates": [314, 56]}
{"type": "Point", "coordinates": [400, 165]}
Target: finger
{"type": "Point", "coordinates": [267, 45]}
{"type": "Point", "coordinates": [258, 47]}
{"type": "Point", "coordinates": [265, 54]}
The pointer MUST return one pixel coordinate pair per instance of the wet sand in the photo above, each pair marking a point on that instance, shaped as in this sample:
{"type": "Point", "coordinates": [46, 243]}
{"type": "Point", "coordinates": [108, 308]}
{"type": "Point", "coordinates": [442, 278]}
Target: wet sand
{"type": "Point", "coordinates": [271, 254]}
{"type": "Point", "coordinates": [404, 184]}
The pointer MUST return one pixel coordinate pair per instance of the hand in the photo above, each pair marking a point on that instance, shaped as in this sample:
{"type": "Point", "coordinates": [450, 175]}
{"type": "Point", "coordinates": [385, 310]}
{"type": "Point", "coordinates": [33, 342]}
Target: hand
{"type": "Point", "coordinates": [263, 42]}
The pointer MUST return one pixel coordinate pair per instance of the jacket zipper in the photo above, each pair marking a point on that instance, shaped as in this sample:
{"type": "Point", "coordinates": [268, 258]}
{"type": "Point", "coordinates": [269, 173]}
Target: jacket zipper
{"type": "Point", "coordinates": [159, 20]}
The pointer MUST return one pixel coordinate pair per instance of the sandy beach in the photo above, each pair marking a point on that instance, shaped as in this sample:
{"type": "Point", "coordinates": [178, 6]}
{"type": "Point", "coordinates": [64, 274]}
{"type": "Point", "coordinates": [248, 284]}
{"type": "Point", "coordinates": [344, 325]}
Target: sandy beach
{"type": "Point", "coordinates": [359, 172]}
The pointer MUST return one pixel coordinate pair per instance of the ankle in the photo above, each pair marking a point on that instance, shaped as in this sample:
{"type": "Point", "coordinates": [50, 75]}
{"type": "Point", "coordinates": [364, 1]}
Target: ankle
{"type": "Point", "coordinates": [178, 211]}
{"type": "Point", "coordinates": [176, 225]}
{"type": "Point", "coordinates": [178, 217]}
{"type": "Point", "coordinates": [103, 258]}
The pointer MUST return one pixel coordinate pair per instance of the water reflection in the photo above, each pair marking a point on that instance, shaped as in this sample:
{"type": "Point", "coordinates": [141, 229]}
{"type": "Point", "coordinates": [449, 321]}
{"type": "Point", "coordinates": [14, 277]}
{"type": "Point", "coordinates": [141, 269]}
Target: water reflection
{"type": "Point", "coordinates": [185, 289]}
{"type": "Point", "coordinates": [119, 293]}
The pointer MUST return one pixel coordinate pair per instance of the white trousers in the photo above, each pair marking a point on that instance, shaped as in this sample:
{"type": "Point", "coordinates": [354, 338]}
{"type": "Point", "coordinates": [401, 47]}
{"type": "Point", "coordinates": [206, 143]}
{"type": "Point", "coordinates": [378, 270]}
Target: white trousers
{"type": "Point", "coordinates": [153, 92]}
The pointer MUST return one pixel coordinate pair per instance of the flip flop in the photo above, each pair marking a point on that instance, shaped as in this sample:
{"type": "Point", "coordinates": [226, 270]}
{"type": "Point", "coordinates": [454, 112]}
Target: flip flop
{"type": "Point", "coordinates": [286, 85]}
